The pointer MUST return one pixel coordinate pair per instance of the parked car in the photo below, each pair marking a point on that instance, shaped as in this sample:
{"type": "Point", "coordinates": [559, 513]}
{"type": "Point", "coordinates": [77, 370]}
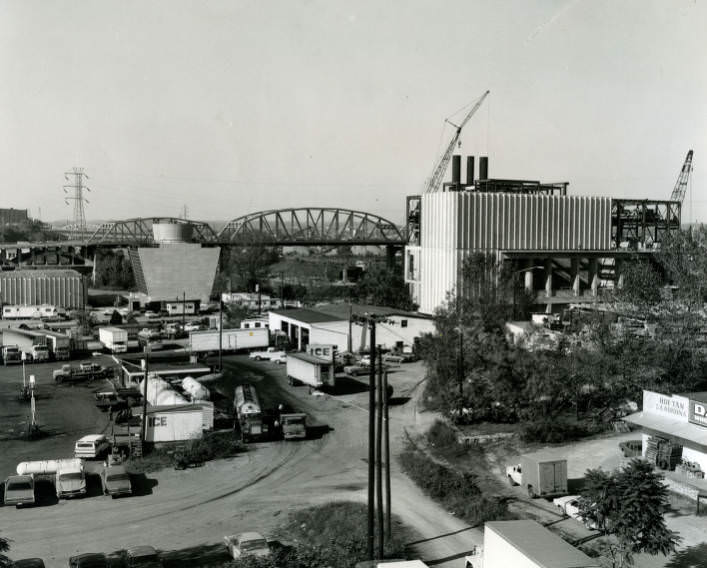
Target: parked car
{"type": "Point", "coordinates": [150, 314]}
{"type": "Point", "coordinates": [19, 490]}
{"type": "Point", "coordinates": [29, 563]}
{"type": "Point", "coordinates": [281, 360]}
{"type": "Point", "coordinates": [631, 448]}
{"type": "Point", "coordinates": [569, 505]}
{"type": "Point", "coordinates": [192, 326]}
{"type": "Point", "coordinates": [356, 370]}
{"type": "Point", "coordinates": [393, 359]}
{"type": "Point", "coordinates": [116, 481]}
{"type": "Point", "coordinates": [248, 543]}
{"type": "Point", "coordinates": [89, 560]}
{"type": "Point", "coordinates": [142, 557]}
{"type": "Point", "coordinates": [91, 446]}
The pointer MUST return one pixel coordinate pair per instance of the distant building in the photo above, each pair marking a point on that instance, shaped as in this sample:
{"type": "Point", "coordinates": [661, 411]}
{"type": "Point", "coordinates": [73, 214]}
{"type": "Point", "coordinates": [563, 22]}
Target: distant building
{"type": "Point", "coordinates": [13, 216]}
{"type": "Point", "coordinates": [60, 288]}
{"type": "Point", "coordinates": [175, 271]}
{"type": "Point", "coordinates": [252, 300]}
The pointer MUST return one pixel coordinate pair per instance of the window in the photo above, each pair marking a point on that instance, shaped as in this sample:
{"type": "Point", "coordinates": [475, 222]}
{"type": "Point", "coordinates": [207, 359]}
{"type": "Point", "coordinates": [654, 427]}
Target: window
{"type": "Point", "coordinates": [403, 323]}
{"type": "Point", "coordinates": [257, 324]}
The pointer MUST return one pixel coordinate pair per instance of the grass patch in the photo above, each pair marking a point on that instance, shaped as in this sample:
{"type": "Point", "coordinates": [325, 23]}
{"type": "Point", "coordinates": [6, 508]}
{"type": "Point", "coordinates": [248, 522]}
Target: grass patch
{"type": "Point", "coordinates": [555, 431]}
{"type": "Point", "coordinates": [327, 536]}
{"type": "Point", "coordinates": [458, 491]}
{"type": "Point", "coordinates": [212, 446]}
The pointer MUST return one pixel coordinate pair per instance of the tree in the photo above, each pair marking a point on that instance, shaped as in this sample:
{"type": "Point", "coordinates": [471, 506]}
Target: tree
{"type": "Point", "coordinates": [628, 505]}
{"type": "Point", "coordinates": [641, 284]}
{"type": "Point", "coordinates": [246, 265]}
{"type": "Point", "coordinates": [5, 562]}
{"type": "Point", "coordinates": [382, 285]}
{"type": "Point", "coordinates": [116, 318]}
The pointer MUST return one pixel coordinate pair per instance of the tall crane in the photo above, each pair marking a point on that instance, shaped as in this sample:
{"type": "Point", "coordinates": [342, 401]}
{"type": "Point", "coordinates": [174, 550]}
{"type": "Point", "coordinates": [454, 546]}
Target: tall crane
{"type": "Point", "coordinates": [441, 167]}
{"type": "Point", "coordinates": [681, 185]}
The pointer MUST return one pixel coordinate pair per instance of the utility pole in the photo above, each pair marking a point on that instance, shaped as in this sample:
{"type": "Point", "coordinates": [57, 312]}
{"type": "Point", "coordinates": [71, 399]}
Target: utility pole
{"type": "Point", "coordinates": [144, 395]}
{"type": "Point", "coordinates": [184, 308]}
{"type": "Point", "coordinates": [386, 434]}
{"type": "Point", "coordinates": [220, 333]}
{"type": "Point", "coordinates": [371, 437]}
{"type": "Point", "coordinates": [379, 453]}
{"type": "Point", "coordinates": [76, 178]}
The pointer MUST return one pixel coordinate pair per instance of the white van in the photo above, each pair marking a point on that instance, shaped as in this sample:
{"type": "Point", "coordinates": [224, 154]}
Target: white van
{"type": "Point", "coordinates": [91, 446]}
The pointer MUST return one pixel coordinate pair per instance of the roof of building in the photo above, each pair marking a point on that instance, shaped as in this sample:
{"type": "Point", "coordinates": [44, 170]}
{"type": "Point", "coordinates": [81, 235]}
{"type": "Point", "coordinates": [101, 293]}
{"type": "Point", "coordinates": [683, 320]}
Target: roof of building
{"type": "Point", "coordinates": [541, 545]}
{"type": "Point", "coordinates": [341, 311]}
{"type": "Point", "coordinates": [306, 315]}
{"type": "Point", "coordinates": [677, 428]}
{"type": "Point", "coordinates": [310, 358]}
{"type": "Point", "coordinates": [39, 273]}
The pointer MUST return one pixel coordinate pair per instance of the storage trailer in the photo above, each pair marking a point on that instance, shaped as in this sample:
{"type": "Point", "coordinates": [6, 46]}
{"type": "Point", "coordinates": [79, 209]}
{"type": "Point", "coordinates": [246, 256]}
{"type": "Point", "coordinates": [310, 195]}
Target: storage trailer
{"type": "Point", "coordinates": [231, 340]}
{"type": "Point", "coordinates": [310, 370]}
{"type": "Point", "coordinates": [114, 339]}
{"type": "Point", "coordinates": [542, 474]}
{"type": "Point", "coordinates": [525, 544]}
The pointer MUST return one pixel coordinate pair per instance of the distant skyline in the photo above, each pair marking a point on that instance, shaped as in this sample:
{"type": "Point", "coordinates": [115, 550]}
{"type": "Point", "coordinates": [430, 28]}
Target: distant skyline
{"type": "Point", "coordinates": [231, 107]}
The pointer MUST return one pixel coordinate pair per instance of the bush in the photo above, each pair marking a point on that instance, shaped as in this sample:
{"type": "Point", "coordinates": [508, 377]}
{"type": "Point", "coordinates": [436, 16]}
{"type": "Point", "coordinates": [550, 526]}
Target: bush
{"type": "Point", "coordinates": [457, 491]}
{"type": "Point", "coordinates": [441, 435]}
{"type": "Point", "coordinates": [211, 447]}
{"type": "Point", "coordinates": [552, 431]}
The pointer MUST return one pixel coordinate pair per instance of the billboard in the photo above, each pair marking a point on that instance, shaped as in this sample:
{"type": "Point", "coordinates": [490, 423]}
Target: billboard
{"type": "Point", "coordinates": [674, 407]}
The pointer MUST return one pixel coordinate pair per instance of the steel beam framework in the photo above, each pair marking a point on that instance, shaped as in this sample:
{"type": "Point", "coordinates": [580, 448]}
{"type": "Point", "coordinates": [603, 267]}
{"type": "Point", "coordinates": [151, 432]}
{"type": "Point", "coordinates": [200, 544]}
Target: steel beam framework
{"type": "Point", "coordinates": [643, 223]}
{"type": "Point", "coordinates": [138, 231]}
{"type": "Point", "coordinates": [311, 226]}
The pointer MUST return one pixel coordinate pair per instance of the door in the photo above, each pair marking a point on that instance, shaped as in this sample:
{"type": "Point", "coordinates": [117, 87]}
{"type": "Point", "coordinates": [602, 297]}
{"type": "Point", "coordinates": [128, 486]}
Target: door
{"type": "Point", "coordinates": [551, 477]}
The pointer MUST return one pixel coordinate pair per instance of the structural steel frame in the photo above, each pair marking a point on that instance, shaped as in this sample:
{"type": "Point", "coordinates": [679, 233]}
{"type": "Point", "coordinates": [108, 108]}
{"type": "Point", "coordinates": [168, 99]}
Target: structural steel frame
{"type": "Point", "coordinates": [643, 221]}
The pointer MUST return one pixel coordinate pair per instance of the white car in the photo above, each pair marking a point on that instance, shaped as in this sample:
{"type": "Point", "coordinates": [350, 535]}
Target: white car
{"type": "Point", "coordinates": [248, 543]}
{"type": "Point", "coordinates": [193, 326]}
{"type": "Point", "coordinates": [281, 360]}
{"type": "Point", "coordinates": [569, 505]}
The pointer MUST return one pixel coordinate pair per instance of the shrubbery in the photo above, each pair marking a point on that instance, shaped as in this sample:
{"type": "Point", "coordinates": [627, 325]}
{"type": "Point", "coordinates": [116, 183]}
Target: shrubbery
{"type": "Point", "coordinates": [211, 447]}
{"type": "Point", "coordinates": [553, 431]}
{"type": "Point", "coordinates": [457, 491]}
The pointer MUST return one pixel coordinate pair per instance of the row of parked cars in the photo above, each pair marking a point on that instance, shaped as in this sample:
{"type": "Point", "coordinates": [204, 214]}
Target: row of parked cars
{"type": "Point", "coordinates": [69, 475]}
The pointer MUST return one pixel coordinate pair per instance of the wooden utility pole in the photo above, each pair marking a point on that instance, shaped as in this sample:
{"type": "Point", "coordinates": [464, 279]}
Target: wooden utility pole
{"type": "Point", "coordinates": [379, 453]}
{"type": "Point", "coordinates": [371, 437]}
{"type": "Point", "coordinates": [144, 396]}
{"type": "Point", "coordinates": [386, 434]}
{"type": "Point", "coordinates": [220, 334]}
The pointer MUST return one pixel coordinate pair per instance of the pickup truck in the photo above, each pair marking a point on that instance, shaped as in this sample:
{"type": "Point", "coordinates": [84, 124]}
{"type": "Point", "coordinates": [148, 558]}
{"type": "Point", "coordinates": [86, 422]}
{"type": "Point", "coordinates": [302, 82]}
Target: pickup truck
{"type": "Point", "coordinates": [270, 354]}
{"type": "Point", "coordinates": [84, 372]}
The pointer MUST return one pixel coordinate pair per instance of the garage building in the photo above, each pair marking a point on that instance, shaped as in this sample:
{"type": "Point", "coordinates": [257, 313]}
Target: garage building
{"type": "Point", "coordinates": [333, 324]}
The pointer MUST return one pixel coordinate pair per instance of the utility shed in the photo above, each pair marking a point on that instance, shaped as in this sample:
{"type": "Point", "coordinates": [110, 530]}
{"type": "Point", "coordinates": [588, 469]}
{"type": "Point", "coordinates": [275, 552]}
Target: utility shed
{"type": "Point", "coordinates": [175, 423]}
{"type": "Point", "coordinates": [528, 544]}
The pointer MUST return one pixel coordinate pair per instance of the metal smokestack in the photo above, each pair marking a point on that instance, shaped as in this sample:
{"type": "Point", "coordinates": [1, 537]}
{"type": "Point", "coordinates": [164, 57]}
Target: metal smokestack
{"type": "Point", "coordinates": [470, 170]}
{"type": "Point", "coordinates": [456, 171]}
{"type": "Point", "coordinates": [483, 167]}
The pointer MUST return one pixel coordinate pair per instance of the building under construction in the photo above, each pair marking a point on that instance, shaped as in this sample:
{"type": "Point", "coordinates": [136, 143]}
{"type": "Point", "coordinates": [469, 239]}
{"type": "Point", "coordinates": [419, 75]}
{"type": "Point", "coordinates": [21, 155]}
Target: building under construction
{"type": "Point", "coordinates": [562, 248]}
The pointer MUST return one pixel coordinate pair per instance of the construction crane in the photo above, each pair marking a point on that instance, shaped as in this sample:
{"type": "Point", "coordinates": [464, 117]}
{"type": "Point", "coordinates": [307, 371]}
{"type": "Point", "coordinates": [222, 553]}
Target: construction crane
{"type": "Point", "coordinates": [441, 167]}
{"type": "Point", "coordinates": [681, 185]}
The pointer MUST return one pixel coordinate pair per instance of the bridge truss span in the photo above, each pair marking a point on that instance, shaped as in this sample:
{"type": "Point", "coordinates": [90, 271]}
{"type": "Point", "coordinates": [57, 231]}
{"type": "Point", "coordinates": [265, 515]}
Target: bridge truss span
{"type": "Point", "coordinates": [312, 226]}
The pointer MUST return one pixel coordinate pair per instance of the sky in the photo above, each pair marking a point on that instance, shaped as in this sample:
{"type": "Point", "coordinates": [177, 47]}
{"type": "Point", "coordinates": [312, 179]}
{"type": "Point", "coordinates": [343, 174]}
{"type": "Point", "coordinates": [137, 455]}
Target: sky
{"type": "Point", "coordinates": [232, 107]}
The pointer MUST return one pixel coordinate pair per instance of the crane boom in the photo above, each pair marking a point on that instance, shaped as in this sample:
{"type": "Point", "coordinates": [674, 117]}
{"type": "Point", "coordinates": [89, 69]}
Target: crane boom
{"type": "Point", "coordinates": [441, 167]}
{"type": "Point", "coordinates": [681, 185]}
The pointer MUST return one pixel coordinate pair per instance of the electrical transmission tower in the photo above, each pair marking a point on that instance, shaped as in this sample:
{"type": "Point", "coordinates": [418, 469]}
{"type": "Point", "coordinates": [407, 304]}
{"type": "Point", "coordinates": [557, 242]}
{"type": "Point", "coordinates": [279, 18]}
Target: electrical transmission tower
{"type": "Point", "coordinates": [76, 177]}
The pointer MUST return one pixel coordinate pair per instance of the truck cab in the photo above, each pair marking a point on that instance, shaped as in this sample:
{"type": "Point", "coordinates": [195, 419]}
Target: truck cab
{"type": "Point", "coordinates": [39, 353]}
{"type": "Point", "coordinates": [293, 425]}
{"type": "Point", "coordinates": [11, 354]}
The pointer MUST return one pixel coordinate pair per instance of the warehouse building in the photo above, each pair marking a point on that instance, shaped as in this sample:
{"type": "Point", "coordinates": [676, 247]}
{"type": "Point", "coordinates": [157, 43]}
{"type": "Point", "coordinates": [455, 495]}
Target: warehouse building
{"type": "Point", "coordinates": [176, 271]}
{"type": "Point", "coordinates": [334, 324]}
{"type": "Point", "coordinates": [561, 248]}
{"type": "Point", "coordinates": [59, 288]}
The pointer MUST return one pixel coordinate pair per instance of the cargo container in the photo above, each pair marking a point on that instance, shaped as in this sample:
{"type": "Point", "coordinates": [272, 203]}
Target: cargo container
{"type": "Point", "coordinates": [114, 339]}
{"type": "Point", "coordinates": [310, 370]}
{"type": "Point", "coordinates": [542, 474]}
{"type": "Point", "coordinates": [231, 340]}
{"type": "Point", "coordinates": [525, 544]}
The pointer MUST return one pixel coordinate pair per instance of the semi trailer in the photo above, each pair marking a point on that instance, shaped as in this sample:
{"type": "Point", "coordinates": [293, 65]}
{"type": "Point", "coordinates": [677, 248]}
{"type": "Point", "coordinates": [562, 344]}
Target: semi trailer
{"type": "Point", "coordinates": [231, 340]}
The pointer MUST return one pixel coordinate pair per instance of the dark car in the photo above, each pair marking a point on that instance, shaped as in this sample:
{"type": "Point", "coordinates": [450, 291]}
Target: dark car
{"type": "Point", "coordinates": [29, 563]}
{"type": "Point", "coordinates": [89, 560]}
{"type": "Point", "coordinates": [142, 557]}
{"type": "Point", "coordinates": [116, 481]}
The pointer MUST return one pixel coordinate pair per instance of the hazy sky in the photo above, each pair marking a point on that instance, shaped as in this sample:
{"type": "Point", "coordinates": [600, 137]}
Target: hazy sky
{"type": "Point", "coordinates": [231, 107]}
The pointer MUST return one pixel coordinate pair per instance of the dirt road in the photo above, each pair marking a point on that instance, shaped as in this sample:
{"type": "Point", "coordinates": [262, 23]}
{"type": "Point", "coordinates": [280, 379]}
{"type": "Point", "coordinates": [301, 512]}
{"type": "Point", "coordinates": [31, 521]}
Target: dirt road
{"type": "Point", "coordinates": [190, 511]}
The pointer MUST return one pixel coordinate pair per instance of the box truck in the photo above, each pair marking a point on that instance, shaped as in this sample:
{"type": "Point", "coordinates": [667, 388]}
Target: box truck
{"type": "Point", "coordinates": [114, 339]}
{"type": "Point", "coordinates": [525, 544]}
{"type": "Point", "coordinates": [231, 340]}
{"type": "Point", "coordinates": [542, 474]}
{"type": "Point", "coordinates": [310, 370]}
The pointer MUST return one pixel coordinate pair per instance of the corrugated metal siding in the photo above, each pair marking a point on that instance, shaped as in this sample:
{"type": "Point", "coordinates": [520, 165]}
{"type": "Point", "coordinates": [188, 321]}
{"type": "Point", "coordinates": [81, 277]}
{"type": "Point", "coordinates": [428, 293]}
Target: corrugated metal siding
{"type": "Point", "coordinates": [493, 221]}
{"type": "Point", "coordinates": [28, 287]}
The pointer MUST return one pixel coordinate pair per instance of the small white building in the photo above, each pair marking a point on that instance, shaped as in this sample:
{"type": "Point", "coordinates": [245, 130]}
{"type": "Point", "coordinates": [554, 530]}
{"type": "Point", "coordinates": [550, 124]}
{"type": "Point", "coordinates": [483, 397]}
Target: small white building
{"type": "Point", "coordinates": [334, 324]}
{"type": "Point", "coordinates": [178, 422]}
{"type": "Point", "coordinates": [252, 300]}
